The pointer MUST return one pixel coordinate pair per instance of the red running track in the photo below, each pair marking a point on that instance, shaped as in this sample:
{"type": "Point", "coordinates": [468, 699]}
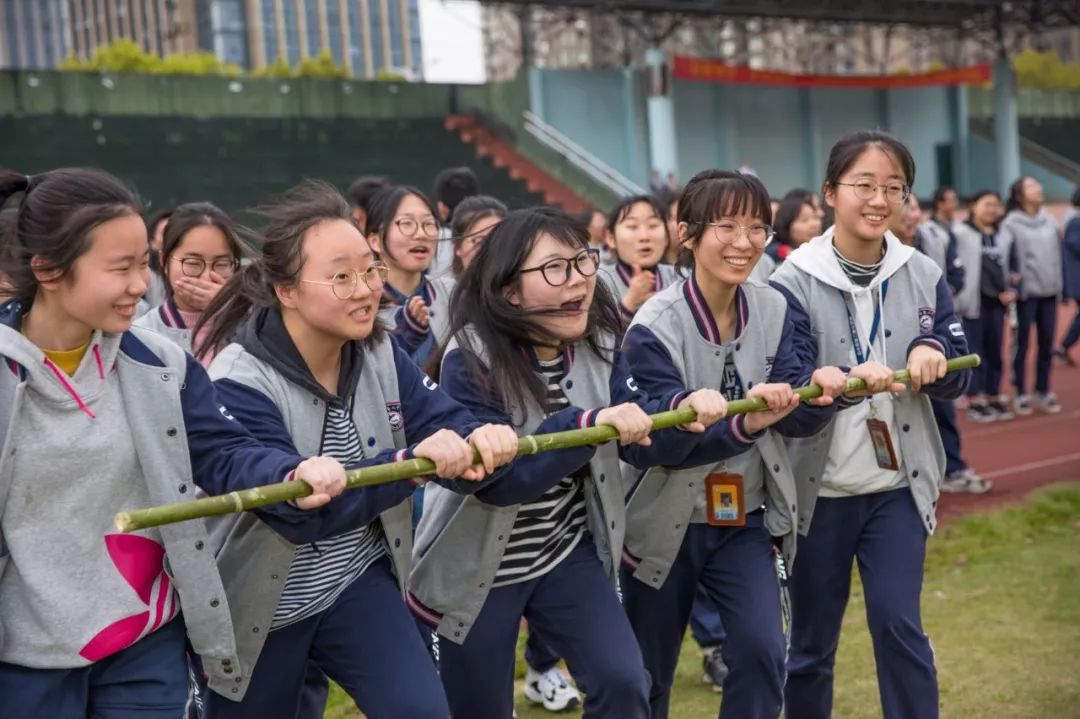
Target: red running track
{"type": "Point", "coordinates": [1027, 452]}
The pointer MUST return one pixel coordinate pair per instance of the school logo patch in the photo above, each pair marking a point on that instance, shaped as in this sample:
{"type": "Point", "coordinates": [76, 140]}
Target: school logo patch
{"type": "Point", "coordinates": [926, 320]}
{"type": "Point", "coordinates": [393, 413]}
{"type": "Point", "coordinates": [430, 383]}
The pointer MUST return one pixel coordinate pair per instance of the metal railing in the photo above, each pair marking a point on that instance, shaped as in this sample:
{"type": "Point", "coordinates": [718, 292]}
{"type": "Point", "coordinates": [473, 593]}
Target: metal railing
{"type": "Point", "coordinates": [1033, 151]}
{"type": "Point", "coordinates": [581, 158]}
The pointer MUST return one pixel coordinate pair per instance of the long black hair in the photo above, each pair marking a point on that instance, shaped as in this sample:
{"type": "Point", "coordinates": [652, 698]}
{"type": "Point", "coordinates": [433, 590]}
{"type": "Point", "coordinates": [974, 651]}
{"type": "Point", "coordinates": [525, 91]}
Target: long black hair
{"type": "Point", "coordinates": [278, 262]}
{"type": "Point", "coordinates": [58, 212]}
{"type": "Point", "coordinates": [1015, 200]}
{"type": "Point", "coordinates": [503, 330]}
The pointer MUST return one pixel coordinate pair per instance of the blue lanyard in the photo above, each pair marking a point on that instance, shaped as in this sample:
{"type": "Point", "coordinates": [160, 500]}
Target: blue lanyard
{"type": "Point", "coordinates": [855, 343]}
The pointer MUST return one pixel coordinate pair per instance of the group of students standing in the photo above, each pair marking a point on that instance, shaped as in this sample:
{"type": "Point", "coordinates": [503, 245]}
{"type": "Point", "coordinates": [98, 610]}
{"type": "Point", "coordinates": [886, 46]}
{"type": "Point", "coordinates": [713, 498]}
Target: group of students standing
{"type": "Point", "coordinates": [392, 327]}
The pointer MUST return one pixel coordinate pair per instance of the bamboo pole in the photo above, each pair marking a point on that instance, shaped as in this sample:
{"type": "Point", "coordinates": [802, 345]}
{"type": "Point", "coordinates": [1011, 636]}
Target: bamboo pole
{"type": "Point", "coordinates": [247, 499]}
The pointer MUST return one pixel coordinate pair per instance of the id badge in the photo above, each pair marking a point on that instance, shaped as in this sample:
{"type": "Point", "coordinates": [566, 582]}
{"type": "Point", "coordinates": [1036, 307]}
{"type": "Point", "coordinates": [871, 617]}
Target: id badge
{"type": "Point", "coordinates": [724, 500]}
{"type": "Point", "coordinates": [882, 442]}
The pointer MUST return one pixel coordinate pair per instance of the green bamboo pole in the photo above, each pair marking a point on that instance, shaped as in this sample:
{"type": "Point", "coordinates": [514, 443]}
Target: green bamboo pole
{"type": "Point", "coordinates": [248, 499]}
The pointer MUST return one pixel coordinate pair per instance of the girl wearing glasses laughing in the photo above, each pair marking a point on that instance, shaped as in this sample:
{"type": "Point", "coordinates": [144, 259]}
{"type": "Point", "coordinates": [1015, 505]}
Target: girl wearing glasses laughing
{"type": "Point", "coordinates": [199, 253]}
{"type": "Point", "coordinates": [533, 345]}
{"type": "Point", "coordinates": [309, 366]}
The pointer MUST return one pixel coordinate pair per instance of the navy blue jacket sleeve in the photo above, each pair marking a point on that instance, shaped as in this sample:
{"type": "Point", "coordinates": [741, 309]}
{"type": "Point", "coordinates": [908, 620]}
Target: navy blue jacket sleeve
{"type": "Point", "coordinates": [790, 368]}
{"type": "Point", "coordinates": [427, 408]}
{"type": "Point", "coordinates": [527, 477]}
{"type": "Point", "coordinates": [948, 337]}
{"type": "Point", "coordinates": [353, 508]}
{"type": "Point", "coordinates": [410, 335]}
{"type": "Point", "coordinates": [955, 272]}
{"type": "Point", "coordinates": [649, 360]}
{"type": "Point", "coordinates": [1072, 238]}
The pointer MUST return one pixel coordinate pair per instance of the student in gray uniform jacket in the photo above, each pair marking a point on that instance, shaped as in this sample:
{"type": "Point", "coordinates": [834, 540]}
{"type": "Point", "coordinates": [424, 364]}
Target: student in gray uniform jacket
{"type": "Point", "coordinates": [709, 516]}
{"type": "Point", "coordinates": [534, 345]}
{"type": "Point", "coordinates": [310, 368]}
{"type": "Point", "coordinates": [95, 622]}
{"type": "Point", "coordinates": [868, 484]}
{"type": "Point", "coordinates": [200, 252]}
{"type": "Point", "coordinates": [637, 235]}
{"type": "Point", "coordinates": [1031, 230]}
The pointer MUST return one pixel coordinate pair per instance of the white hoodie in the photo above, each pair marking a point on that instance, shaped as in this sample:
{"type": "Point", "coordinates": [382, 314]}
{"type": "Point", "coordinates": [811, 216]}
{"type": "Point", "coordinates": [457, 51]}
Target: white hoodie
{"type": "Point", "coordinates": [852, 466]}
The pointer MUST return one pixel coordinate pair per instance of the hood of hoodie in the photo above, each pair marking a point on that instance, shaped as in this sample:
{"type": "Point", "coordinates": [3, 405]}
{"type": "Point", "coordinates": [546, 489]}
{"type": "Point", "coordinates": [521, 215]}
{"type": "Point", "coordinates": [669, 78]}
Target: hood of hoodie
{"type": "Point", "coordinates": [265, 337]}
{"type": "Point", "coordinates": [1040, 221]}
{"type": "Point", "coordinates": [43, 376]}
{"type": "Point", "coordinates": [816, 258]}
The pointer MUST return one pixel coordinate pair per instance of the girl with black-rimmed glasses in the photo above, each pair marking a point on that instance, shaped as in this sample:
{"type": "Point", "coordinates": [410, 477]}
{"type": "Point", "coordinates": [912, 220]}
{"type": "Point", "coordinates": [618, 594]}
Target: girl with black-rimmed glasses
{"type": "Point", "coordinates": [199, 253]}
{"type": "Point", "coordinates": [534, 339]}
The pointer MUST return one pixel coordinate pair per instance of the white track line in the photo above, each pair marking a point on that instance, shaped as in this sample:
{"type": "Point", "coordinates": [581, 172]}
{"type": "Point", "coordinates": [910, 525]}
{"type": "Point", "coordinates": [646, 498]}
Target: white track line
{"type": "Point", "coordinates": [974, 430]}
{"type": "Point", "coordinates": [1032, 465]}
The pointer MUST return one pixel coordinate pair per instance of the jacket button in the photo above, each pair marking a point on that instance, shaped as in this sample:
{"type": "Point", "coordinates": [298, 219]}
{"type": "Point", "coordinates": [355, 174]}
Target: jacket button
{"type": "Point", "coordinates": [483, 584]}
{"type": "Point", "coordinates": [226, 662]}
{"type": "Point", "coordinates": [690, 484]}
{"type": "Point", "coordinates": [234, 689]}
{"type": "Point", "coordinates": [183, 489]}
{"type": "Point", "coordinates": [199, 544]}
{"type": "Point", "coordinates": [888, 333]}
{"type": "Point", "coordinates": [171, 431]}
{"type": "Point", "coordinates": [500, 537]}
{"type": "Point", "coordinates": [397, 542]}
{"type": "Point", "coordinates": [461, 624]}
{"type": "Point", "coordinates": [569, 384]}
{"type": "Point", "coordinates": [371, 441]}
{"type": "Point", "coordinates": [906, 427]}
{"type": "Point", "coordinates": [315, 402]}
{"type": "Point", "coordinates": [843, 341]}
{"type": "Point", "coordinates": [457, 634]}
{"type": "Point", "coordinates": [238, 680]}
{"type": "Point", "coordinates": [677, 526]}
{"type": "Point", "coordinates": [254, 630]}
{"type": "Point", "coordinates": [214, 602]}
{"type": "Point", "coordinates": [613, 525]}
{"type": "Point", "coordinates": [717, 353]}
{"type": "Point", "coordinates": [738, 346]}
{"type": "Point", "coordinates": [602, 477]}
{"type": "Point", "coordinates": [776, 468]}
{"type": "Point", "coordinates": [749, 385]}
{"type": "Point", "coordinates": [273, 576]}
{"type": "Point", "coordinates": [915, 474]}
{"type": "Point", "coordinates": [227, 670]}
{"type": "Point", "coordinates": [165, 377]}
{"type": "Point", "coordinates": [811, 479]}
{"type": "Point", "coordinates": [655, 580]}
{"type": "Point", "coordinates": [793, 508]}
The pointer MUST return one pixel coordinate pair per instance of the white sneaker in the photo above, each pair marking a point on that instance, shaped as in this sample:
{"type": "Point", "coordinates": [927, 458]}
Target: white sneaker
{"type": "Point", "coordinates": [552, 689]}
{"type": "Point", "coordinates": [965, 481]}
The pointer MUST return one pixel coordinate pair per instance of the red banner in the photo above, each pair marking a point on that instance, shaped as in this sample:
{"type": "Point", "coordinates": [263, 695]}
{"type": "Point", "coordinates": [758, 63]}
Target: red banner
{"type": "Point", "coordinates": [700, 70]}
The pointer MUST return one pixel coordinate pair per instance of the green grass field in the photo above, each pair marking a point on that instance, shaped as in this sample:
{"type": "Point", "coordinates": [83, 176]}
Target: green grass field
{"type": "Point", "coordinates": [1000, 604]}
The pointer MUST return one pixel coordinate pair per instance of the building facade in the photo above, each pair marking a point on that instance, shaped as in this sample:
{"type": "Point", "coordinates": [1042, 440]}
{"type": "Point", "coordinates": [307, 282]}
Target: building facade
{"type": "Point", "coordinates": [365, 36]}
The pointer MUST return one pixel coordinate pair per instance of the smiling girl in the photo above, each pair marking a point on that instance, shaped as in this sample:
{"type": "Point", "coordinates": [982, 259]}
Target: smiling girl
{"type": "Point", "coordinates": [709, 516]}
{"type": "Point", "coordinates": [97, 417]}
{"type": "Point", "coordinates": [869, 481]}
{"type": "Point", "coordinates": [309, 367]}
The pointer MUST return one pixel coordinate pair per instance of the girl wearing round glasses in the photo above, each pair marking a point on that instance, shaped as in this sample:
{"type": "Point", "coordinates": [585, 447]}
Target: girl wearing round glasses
{"type": "Point", "coordinates": [869, 482]}
{"type": "Point", "coordinates": [402, 230]}
{"type": "Point", "coordinates": [709, 516]}
{"type": "Point", "coordinates": [533, 344]}
{"type": "Point", "coordinates": [200, 251]}
{"type": "Point", "coordinates": [308, 365]}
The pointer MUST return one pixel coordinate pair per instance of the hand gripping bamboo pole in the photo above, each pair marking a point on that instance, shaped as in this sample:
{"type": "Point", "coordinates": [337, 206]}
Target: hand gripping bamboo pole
{"type": "Point", "coordinates": [247, 499]}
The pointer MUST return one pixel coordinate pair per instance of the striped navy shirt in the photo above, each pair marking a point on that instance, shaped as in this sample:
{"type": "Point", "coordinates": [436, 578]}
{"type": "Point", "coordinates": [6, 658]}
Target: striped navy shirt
{"type": "Point", "coordinates": [547, 529]}
{"type": "Point", "coordinates": [321, 571]}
